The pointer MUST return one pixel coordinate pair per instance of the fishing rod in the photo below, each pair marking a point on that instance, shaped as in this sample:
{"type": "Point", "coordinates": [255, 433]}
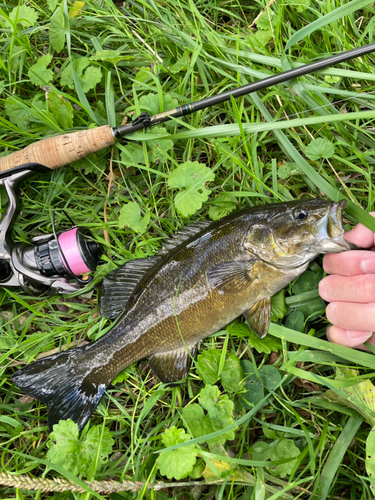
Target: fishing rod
{"type": "Point", "coordinates": [57, 151]}
{"type": "Point", "coordinates": [51, 262]}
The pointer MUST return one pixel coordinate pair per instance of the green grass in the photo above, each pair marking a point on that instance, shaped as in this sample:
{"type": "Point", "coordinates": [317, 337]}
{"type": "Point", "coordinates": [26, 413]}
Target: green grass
{"type": "Point", "coordinates": [256, 148]}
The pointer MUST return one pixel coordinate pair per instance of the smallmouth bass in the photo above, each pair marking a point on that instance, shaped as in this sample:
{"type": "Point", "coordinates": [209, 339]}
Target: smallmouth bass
{"type": "Point", "coordinates": [203, 278]}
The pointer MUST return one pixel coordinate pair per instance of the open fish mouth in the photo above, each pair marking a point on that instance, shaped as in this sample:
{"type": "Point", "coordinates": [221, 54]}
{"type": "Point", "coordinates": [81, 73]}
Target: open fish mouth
{"type": "Point", "coordinates": [330, 236]}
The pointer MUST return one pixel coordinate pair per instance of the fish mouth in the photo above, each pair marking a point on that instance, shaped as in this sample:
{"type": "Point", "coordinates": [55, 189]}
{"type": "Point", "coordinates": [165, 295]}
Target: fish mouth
{"type": "Point", "coordinates": [330, 235]}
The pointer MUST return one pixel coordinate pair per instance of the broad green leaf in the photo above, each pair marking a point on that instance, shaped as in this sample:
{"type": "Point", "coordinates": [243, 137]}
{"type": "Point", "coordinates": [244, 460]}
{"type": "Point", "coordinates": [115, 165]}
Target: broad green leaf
{"type": "Point", "coordinates": [370, 457]}
{"type": "Point", "coordinates": [151, 104]}
{"type": "Point", "coordinates": [253, 386]}
{"type": "Point", "coordinates": [360, 396]}
{"type": "Point", "coordinates": [111, 56]}
{"type": "Point", "coordinates": [67, 449]}
{"type": "Point", "coordinates": [78, 454]}
{"type": "Point", "coordinates": [260, 451]}
{"type": "Point", "coordinates": [52, 4]}
{"type": "Point", "coordinates": [88, 79]}
{"type": "Point", "coordinates": [97, 435]}
{"type": "Point", "coordinates": [95, 163]}
{"type": "Point", "coordinates": [198, 470]}
{"type": "Point", "coordinates": [332, 79]}
{"type": "Point", "coordinates": [307, 281]}
{"type": "Point", "coordinates": [193, 416]}
{"type": "Point", "coordinates": [18, 114]}
{"type": "Point", "coordinates": [221, 206]}
{"type": "Point", "coordinates": [158, 147]}
{"type": "Point", "coordinates": [67, 75]}
{"type": "Point", "coordinates": [259, 40]}
{"type": "Point", "coordinates": [267, 345]}
{"type": "Point", "coordinates": [287, 170]}
{"type": "Point", "coordinates": [270, 376]}
{"type": "Point", "coordinates": [219, 411]}
{"type": "Point", "coordinates": [278, 307]}
{"type": "Point", "coordinates": [123, 375]}
{"type": "Point", "coordinates": [143, 74]}
{"type": "Point", "coordinates": [191, 178]}
{"type": "Point", "coordinates": [178, 66]}
{"type": "Point", "coordinates": [132, 154]}
{"type": "Point", "coordinates": [267, 19]}
{"type": "Point", "coordinates": [295, 321]}
{"type": "Point", "coordinates": [232, 374]}
{"type": "Point", "coordinates": [39, 74]}
{"type": "Point", "coordinates": [61, 109]}
{"type": "Point", "coordinates": [320, 148]}
{"type": "Point", "coordinates": [23, 15]}
{"type": "Point", "coordinates": [208, 396]}
{"type": "Point", "coordinates": [76, 9]}
{"type": "Point", "coordinates": [91, 78]}
{"type": "Point", "coordinates": [284, 449]}
{"type": "Point", "coordinates": [57, 30]}
{"type": "Point", "coordinates": [130, 215]}
{"type": "Point", "coordinates": [207, 366]}
{"type": "Point", "coordinates": [176, 463]}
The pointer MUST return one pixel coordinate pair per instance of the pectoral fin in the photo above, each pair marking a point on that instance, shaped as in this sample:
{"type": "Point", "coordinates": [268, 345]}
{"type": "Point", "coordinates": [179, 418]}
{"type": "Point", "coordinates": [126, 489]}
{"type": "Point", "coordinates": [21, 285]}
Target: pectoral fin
{"type": "Point", "coordinates": [172, 366]}
{"type": "Point", "coordinates": [258, 317]}
{"type": "Point", "coordinates": [231, 276]}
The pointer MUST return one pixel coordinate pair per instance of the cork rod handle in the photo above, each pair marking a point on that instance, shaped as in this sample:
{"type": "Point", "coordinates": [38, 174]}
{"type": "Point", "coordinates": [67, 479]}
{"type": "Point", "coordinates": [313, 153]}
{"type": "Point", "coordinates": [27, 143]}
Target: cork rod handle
{"type": "Point", "coordinates": [55, 152]}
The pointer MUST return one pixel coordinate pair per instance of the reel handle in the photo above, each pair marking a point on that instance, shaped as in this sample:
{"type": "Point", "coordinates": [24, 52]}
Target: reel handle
{"type": "Point", "coordinates": [60, 150]}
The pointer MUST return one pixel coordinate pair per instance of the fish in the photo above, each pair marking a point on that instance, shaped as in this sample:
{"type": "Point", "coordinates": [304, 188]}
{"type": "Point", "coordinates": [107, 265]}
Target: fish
{"type": "Point", "coordinates": [204, 277]}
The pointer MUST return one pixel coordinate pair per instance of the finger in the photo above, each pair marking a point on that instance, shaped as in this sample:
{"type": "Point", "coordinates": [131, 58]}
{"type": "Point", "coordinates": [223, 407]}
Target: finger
{"type": "Point", "coordinates": [361, 236]}
{"type": "Point", "coordinates": [350, 263]}
{"type": "Point", "coordinates": [352, 316]}
{"type": "Point", "coordinates": [359, 288]}
{"type": "Point", "coordinates": [354, 338]}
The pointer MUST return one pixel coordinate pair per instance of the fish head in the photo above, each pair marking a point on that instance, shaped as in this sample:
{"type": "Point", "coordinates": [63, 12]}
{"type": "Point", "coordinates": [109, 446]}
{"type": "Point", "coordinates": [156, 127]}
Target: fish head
{"type": "Point", "coordinates": [291, 234]}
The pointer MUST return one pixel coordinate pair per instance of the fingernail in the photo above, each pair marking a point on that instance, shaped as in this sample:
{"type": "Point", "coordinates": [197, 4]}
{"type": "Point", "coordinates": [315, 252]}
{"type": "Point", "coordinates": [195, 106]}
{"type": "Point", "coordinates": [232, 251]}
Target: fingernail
{"type": "Point", "coordinates": [359, 335]}
{"type": "Point", "coordinates": [368, 265]}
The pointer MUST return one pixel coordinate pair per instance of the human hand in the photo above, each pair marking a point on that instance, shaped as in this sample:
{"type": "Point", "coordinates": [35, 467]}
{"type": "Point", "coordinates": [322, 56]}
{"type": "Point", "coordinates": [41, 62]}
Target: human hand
{"type": "Point", "coordinates": [350, 290]}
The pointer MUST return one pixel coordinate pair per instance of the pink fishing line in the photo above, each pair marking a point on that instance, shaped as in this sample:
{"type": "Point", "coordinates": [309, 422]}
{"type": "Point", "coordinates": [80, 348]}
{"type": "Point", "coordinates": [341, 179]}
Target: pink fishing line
{"type": "Point", "coordinates": [69, 246]}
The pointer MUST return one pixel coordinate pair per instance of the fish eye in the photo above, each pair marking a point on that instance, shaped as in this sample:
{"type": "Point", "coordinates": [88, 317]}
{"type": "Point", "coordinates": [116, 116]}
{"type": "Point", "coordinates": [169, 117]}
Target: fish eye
{"type": "Point", "coordinates": [300, 214]}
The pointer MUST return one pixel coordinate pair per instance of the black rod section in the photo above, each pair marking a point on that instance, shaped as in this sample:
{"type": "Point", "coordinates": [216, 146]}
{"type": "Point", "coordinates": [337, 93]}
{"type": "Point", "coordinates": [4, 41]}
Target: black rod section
{"type": "Point", "coordinates": [145, 121]}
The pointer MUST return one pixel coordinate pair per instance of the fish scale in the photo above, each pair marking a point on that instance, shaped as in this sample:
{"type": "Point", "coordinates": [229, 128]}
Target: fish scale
{"type": "Point", "coordinates": [204, 277]}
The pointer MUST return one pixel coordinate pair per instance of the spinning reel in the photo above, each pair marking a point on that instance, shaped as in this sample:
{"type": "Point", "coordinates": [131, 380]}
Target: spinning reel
{"type": "Point", "coordinates": [50, 262]}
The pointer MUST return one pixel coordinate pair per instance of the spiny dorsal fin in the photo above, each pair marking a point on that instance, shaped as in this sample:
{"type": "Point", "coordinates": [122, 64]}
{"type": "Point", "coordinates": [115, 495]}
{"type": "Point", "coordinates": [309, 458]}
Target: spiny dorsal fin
{"type": "Point", "coordinates": [172, 366]}
{"type": "Point", "coordinates": [231, 276]}
{"type": "Point", "coordinates": [117, 287]}
{"type": "Point", "coordinates": [182, 235]}
{"type": "Point", "coordinates": [258, 316]}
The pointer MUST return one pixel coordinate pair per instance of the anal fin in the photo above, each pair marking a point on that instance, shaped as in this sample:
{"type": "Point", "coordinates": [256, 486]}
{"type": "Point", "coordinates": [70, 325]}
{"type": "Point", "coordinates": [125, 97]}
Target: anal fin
{"type": "Point", "coordinates": [172, 366]}
{"type": "Point", "coordinates": [258, 316]}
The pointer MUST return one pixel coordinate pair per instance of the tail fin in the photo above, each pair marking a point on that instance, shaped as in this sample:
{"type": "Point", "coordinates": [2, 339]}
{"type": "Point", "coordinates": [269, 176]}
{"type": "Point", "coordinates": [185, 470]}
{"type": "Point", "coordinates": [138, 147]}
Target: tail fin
{"type": "Point", "coordinates": [66, 383]}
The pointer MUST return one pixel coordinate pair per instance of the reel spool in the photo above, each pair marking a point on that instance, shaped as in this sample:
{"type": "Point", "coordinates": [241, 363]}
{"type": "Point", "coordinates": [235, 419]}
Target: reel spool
{"type": "Point", "coordinates": [51, 261]}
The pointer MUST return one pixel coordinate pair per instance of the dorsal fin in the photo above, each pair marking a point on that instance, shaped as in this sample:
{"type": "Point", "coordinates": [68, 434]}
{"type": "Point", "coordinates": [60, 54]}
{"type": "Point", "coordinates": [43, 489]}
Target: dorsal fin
{"type": "Point", "coordinates": [183, 234]}
{"type": "Point", "coordinates": [117, 287]}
